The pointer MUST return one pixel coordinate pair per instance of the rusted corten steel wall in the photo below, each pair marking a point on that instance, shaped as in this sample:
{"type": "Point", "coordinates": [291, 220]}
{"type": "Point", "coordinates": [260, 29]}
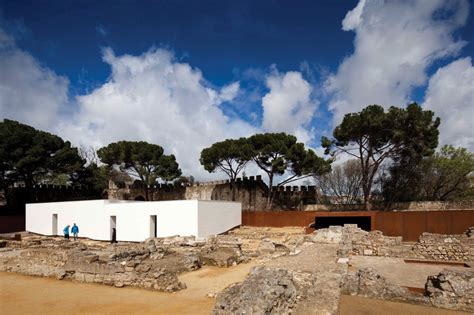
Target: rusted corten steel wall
{"type": "Point", "coordinates": [409, 224]}
{"type": "Point", "coordinates": [296, 218]}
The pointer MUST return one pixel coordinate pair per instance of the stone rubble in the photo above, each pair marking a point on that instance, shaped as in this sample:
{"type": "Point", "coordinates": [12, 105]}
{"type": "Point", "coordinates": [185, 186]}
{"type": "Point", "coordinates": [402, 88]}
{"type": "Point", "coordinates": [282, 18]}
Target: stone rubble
{"type": "Point", "coordinates": [265, 291]}
{"type": "Point", "coordinates": [298, 273]}
{"type": "Point", "coordinates": [452, 290]}
{"type": "Point", "coordinates": [154, 264]}
{"type": "Point", "coordinates": [456, 247]}
{"type": "Point", "coordinates": [367, 282]}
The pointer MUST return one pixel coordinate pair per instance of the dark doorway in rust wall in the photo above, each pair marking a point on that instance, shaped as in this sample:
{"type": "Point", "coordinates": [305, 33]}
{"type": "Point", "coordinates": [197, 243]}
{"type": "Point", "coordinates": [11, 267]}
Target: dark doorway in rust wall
{"type": "Point", "coordinates": [324, 222]}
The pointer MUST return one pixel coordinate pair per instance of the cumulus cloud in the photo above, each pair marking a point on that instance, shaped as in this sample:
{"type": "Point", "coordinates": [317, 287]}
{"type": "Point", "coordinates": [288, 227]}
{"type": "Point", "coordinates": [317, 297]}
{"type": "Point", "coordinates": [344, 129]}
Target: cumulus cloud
{"type": "Point", "coordinates": [155, 98]}
{"type": "Point", "coordinates": [395, 43]}
{"type": "Point", "coordinates": [29, 92]}
{"type": "Point", "coordinates": [150, 97]}
{"type": "Point", "coordinates": [450, 94]}
{"type": "Point", "coordinates": [288, 106]}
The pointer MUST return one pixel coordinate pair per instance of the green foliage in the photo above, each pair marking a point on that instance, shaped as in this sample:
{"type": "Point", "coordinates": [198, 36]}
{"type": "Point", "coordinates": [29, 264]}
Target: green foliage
{"type": "Point", "coordinates": [229, 156]}
{"type": "Point", "coordinates": [373, 136]}
{"type": "Point", "coordinates": [32, 156]}
{"type": "Point", "coordinates": [274, 153]}
{"type": "Point", "coordinates": [279, 154]}
{"type": "Point", "coordinates": [94, 177]}
{"type": "Point", "coordinates": [141, 159]}
{"type": "Point", "coordinates": [443, 176]}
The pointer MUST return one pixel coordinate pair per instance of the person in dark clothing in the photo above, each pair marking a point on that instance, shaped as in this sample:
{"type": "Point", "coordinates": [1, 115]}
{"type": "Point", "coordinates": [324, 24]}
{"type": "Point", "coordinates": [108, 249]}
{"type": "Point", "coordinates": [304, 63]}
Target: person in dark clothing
{"type": "Point", "coordinates": [114, 236]}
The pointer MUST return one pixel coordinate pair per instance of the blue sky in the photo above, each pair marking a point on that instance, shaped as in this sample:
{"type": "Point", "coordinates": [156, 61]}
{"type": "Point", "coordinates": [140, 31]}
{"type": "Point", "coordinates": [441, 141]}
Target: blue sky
{"type": "Point", "coordinates": [238, 67]}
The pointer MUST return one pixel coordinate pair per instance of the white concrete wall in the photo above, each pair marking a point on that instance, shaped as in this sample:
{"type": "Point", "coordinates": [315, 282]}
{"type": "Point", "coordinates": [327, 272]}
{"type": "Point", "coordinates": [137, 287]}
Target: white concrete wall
{"type": "Point", "coordinates": [184, 217]}
{"type": "Point", "coordinates": [216, 217]}
{"type": "Point", "coordinates": [88, 215]}
{"type": "Point", "coordinates": [173, 218]}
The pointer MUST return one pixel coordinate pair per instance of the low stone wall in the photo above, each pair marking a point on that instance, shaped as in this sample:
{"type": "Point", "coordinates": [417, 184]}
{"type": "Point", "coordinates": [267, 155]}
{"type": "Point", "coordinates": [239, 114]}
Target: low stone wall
{"type": "Point", "coordinates": [456, 247]}
{"type": "Point", "coordinates": [355, 241]}
{"type": "Point", "coordinates": [374, 243]}
{"type": "Point", "coordinates": [450, 289]}
{"type": "Point", "coordinates": [153, 264]}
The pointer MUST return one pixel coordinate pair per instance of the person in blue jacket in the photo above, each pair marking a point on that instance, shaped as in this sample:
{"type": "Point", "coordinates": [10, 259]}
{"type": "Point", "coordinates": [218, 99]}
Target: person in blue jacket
{"type": "Point", "coordinates": [75, 231]}
{"type": "Point", "coordinates": [66, 232]}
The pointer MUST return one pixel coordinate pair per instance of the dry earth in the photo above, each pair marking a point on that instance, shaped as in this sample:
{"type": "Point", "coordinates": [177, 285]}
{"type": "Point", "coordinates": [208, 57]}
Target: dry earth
{"type": "Point", "coordinates": [31, 295]}
{"type": "Point", "coordinates": [356, 305]}
{"type": "Point", "coordinates": [281, 248]}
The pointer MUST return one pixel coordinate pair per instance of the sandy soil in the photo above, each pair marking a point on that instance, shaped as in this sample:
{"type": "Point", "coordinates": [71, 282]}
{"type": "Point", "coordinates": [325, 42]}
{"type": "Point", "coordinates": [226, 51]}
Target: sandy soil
{"type": "Point", "coordinates": [356, 305]}
{"type": "Point", "coordinates": [398, 271]}
{"type": "Point", "coordinates": [29, 295]}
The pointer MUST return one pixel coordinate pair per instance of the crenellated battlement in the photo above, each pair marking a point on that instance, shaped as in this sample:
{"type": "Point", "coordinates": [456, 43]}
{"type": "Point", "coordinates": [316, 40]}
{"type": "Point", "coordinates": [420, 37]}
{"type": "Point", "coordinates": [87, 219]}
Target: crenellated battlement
{"type": "Point", "coordinates": [251, 191]}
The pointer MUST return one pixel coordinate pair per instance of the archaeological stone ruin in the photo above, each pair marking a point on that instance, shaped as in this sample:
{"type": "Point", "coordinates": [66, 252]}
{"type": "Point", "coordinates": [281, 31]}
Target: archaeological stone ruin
{"type": "Point", "coordinates": [292, 273]}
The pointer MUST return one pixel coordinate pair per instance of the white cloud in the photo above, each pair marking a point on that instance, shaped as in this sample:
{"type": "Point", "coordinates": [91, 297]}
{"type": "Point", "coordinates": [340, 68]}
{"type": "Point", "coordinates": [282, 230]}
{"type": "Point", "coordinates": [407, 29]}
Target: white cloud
{"type": "Point", "coordinates": [288, 107]}
{"type": "Point", "coordinates": [29, 92]}
{"type": "Point", "coordinates": [395, 43]}
{"type": "Point", "coordinates": [450, 94]}
{"type": "Point", "coordinates": [150, 97]}
{"type": "Point", "coordinates": [153, 97]}
{"type": "Point", "coordinates": [229, 92]}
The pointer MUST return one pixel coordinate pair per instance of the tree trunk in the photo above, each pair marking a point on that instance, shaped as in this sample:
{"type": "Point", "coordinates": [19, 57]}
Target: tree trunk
{"type": "Point", "coordinates": [366, 187]}
{"type": "Point", "coordinates": [232, 188]}
{"type": "Point", "coordinates": [146, 193]}
{"type": "Point", "coordinates": [270, 192]}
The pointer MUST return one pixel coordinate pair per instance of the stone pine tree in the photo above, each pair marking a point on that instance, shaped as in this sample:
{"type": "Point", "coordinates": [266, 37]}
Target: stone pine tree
{"type": "Point", "coordinates": [374, 136]}
{"type": "Point", "coordinates": [31, 156]}
{"type": "Point", "coordinates": [229, 156]}
{"type": "Point", "coordinates": [279, 154]}
{"type": "Point", "coordinates": [141, 159]}
{"type": "Point", "coordinates": [442, 176]}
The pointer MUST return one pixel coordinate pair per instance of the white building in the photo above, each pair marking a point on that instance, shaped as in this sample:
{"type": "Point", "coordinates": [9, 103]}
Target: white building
{"type": "Point", "coordinates": [134, 220]}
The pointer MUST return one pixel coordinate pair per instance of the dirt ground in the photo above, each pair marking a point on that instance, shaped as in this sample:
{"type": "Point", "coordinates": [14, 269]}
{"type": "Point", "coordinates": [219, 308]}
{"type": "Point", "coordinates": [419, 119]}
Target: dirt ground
{"type": "Point", "coordinates": [356, 305]}
{"type": "Point", "coordinates": [30, 295]}
{"type": "Point", "coordinates": [398, 271]}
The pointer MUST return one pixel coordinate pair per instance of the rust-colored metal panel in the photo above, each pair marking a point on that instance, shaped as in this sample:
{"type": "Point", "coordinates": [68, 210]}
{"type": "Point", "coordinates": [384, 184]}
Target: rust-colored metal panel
{"type": "Point", "coordinates": [294, 218]}
{"type": "Point", "coordinates": [390, 223]}
{"type": "Point", "coordinates": [414, 224]}
{"type": "Point", "coordinates": [408, 224]}
{"type": "Point", "coordinates": [439, 222]}
{"type": "Point", "coordinates": [461, 220]}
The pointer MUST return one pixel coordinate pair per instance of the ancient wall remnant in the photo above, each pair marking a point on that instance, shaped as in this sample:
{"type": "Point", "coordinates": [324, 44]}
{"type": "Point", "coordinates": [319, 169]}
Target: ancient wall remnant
{"type": "Point", "coordinates": [455, 247]}
{"type": "Point", "coordinates": [153, 264]}
{"type": "Point", "coordinates": [452, 289]}
{"type": "Point", "coordinates": [250, 191]}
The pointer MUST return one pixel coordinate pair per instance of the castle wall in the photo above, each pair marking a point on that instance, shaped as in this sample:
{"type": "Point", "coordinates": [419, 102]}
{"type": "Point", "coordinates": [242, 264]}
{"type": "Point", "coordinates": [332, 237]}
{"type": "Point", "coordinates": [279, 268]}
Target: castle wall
{"type": "Point", "coordinates": [251, 192]}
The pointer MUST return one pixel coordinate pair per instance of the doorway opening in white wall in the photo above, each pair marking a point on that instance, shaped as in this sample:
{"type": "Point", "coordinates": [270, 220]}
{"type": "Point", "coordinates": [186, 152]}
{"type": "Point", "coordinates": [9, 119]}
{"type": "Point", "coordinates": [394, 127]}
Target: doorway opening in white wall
{"type": "Point", "coordinates": [113, 227]}
{"type": "Point", "coordinates": [153, 226]}
{"type": "Point", "coordinates": [55, 224]}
